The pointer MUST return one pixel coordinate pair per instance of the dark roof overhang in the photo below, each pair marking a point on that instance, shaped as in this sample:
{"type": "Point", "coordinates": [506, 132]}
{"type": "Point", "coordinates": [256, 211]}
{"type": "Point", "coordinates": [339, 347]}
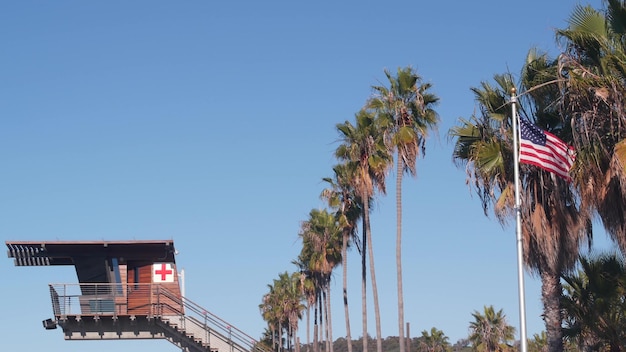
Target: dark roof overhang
{"type": "Point", "coordinates": [33, 253]}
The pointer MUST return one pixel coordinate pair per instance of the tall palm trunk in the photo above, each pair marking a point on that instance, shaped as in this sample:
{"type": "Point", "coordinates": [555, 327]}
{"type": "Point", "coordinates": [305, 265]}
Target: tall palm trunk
{"type": "Point", "coordinates": [320, 327]}
{"type": "Point", "coordinates": [550, 295]}
{"type": "Point", "coordinates": [379, 339]}
{"type": "Point", "coordinates": [280, 337]}
{"type": "Point", "coordinates": [289, 337]}
{"type": "Point", "coordinates": [325, 323]}
{"type": "Point", "coordinates": [273, 339]}
{"type": "Point", "coordinates": [329, 320]}
{"type": "Point", "coordinates": [364, 274]}
{"type": "Point", "coordinates": [344, 263]}
{"type": "Point", "coordinates": [399, 173]}
{"type": "Point", "coordinates": [308, 326]}
{"type": "Point", "coordinates": [315, 325]}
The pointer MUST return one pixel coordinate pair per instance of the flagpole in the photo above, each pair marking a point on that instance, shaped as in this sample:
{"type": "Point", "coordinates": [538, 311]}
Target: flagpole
{"type": "Point", "coordinates": [518, 225]}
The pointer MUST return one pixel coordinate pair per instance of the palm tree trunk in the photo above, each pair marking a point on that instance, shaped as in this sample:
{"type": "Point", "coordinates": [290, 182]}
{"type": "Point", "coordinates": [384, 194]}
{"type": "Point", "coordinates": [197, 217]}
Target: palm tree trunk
{"type": "Point", "coordinates": [308, 326]}
{"type": "Point", "coordinates": [399, 173]}
{"type": "Point", "coordinates": [550, 294]}
{"type": "Point", "coordinates": [289, 336]}
{"type": "Point", "coordinates": [320, 326]}
{"type": "Point", "coordinates": [329, 319]}
{"type": "Point", "coordinates": [379, 339]}
{"type": "Point", "coordinates": [280, 337]}
{"type": "Point", "coordinates": [315, 336]}
{"type": "Point", "coordinates": [325, 325]}
{"type": "Point", "coordinates": [364, 275]}
{"type": "Point", "coordinates": [273, 339]}
{"type": "Point", "coordinates": [344, 263]}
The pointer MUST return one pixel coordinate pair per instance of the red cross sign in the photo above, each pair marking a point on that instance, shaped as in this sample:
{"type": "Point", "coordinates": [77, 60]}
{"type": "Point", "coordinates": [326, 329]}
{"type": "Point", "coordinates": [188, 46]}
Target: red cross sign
{"type": "Point", "coordinates": [162, 272]}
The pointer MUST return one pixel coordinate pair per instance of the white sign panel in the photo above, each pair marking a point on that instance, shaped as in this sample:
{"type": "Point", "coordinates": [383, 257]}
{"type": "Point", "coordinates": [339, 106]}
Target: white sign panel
{"type": "Point", "coordinates": [162, 272]}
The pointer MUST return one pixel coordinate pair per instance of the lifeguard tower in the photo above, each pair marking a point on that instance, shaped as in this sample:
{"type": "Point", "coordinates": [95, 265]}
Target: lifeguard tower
{"type": "Point", "coordinates": [127, 290]}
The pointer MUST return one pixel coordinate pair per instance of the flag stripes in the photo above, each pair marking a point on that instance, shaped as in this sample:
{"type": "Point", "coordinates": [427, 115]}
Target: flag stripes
{"type": "Point", "coordinates": [545, 150]}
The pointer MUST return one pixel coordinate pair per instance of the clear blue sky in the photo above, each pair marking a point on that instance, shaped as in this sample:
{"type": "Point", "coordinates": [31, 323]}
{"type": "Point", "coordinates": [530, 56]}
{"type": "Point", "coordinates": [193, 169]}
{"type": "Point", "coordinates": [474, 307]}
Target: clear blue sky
{"type": "Point", "coordinates": [213, 122]}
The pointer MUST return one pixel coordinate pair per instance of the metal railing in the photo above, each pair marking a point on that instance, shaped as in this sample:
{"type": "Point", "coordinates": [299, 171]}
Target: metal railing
{"type": "Point", "coordinates": [216, 330]}
{"type": "Point", "coordinates": [152, 300]}
{"type": "Point", "coordinates": [102, 299]}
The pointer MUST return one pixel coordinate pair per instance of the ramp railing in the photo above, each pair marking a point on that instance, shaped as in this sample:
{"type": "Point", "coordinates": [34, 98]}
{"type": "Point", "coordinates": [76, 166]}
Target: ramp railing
{"type": "Point", "coordinates": [215, 331]}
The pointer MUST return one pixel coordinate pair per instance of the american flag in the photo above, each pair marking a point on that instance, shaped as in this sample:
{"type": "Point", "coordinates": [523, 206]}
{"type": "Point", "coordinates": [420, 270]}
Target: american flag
{"type": "Point", "coordinates": [545, 150]}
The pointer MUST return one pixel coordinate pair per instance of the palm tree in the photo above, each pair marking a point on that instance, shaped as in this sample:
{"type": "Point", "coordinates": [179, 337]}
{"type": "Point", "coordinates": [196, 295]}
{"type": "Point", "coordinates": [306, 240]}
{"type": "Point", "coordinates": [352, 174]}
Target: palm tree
{"type": "Point", "coordinates": [309, 290]}
{"type": "Point", "coordinates": [553, 224]}
{"type": "Point", "coordinates": [594, 304]}
{"type": "Point", "coordinates": [594, 96]}
{"type": "Point", "coordinates": [281, 308]}
{"type": "Point", "coordinates": [291, 305]}
{"type": "Point", "coordinates": [539, 343]}
{"type": "Point", "coordinates": [462, 345]}
{"type": "Point", "coordinates": [311, 283]}
{"type": "Point", "coordinates": [490, 332]}
{"type": "Point", "coordinates": [266, 342]}
{"type": "Point", "coordinates": [557, 213]}
{"type": "Point", "coordinates": [363, 150]}
{"type": "Point", "coordinates": [321, 238]}
{"type": "Point", "coordinates": [433, 341]}
{"type": "Point", "coordinates": [269, 309]}
{"type": "Point", "coordinates": [341, 197]}
{"type": "Point", "coordinates": [406, 108]}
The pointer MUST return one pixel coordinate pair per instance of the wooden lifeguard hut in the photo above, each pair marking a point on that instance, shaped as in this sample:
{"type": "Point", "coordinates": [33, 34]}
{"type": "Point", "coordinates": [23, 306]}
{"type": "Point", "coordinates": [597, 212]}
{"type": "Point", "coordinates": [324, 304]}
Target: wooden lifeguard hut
{"type": "Point", "coordinates": [127, 290]}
